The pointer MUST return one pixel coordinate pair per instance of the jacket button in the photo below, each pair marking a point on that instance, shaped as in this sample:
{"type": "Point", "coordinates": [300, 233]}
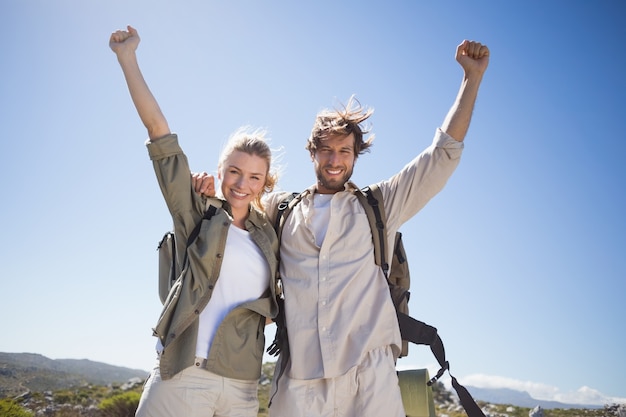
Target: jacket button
{"type": "Point", "coordinates": [219, 255]}
{"type": "Point", "coordinates": [211, 286]}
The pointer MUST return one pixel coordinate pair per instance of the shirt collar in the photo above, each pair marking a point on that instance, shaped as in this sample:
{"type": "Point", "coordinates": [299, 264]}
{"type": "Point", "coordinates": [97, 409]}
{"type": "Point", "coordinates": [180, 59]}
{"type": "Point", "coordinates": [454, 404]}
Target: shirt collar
{"type": "Point", "coordinates": [348, 186]}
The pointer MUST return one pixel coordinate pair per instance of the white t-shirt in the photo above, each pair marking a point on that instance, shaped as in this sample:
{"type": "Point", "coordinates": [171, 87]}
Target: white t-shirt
{"type": "Point", "coordinates": [244, 276]}
{"type": "Point", "coordinates": [321, 216]}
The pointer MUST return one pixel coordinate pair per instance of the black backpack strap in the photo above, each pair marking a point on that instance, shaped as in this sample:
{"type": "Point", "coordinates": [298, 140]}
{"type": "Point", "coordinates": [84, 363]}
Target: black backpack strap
{"type": "Point", "coordinates": [410, 329]}
{"type": "Point", "coordinates": [280, 345]}
{"type": "Point", "coordinates": [423, 334]}
{"type": "Point", "coordinates": [471, 408]}
{"type": "Point", "coordinates": [168, 239]}
{"type": "Point", "coordinates": [284, 208]}
{"type": "Point", "coordinates": [210, 212]}
{"type": "Point", "coordinates": [371, 199]}
{"type": "Point", "coordinates": [196, 230]}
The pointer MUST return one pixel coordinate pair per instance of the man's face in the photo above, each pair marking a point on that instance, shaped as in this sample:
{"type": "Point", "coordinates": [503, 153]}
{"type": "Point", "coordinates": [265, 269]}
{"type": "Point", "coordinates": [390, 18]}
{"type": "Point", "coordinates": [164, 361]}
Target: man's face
{"type": "Point", "coordinates": [334, 162]}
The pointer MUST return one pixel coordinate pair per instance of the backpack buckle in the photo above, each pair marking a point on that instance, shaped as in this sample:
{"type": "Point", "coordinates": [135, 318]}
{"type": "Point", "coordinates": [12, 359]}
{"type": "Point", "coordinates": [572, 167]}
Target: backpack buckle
{"type": "Point", "coordinates": [279, 289]}
{"type": "Point", "coordinates": [445, 367]}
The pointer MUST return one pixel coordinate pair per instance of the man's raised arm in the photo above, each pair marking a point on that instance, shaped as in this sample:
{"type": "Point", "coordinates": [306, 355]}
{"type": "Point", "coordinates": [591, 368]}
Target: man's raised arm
{"type": "Point", "coordinates": [474, 59]}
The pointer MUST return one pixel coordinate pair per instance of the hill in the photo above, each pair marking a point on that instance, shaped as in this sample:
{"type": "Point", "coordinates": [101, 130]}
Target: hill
{"type": "Point", "coordinates": [25, 376]}
{"type": "Point", "coordinates": [21, 372]}
{"type": "Point", "coordinates": [520, 399]}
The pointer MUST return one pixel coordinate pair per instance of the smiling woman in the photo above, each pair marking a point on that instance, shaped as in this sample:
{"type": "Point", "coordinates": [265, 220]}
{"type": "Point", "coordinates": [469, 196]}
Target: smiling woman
{"type": "Point", "coordinates": [244, 172]}
{"type": "Point", "coordinates": [211, 330]}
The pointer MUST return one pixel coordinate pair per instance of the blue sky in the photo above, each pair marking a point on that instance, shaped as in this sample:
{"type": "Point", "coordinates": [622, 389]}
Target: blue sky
{"type": "Point", "coordinates": [518, 262]}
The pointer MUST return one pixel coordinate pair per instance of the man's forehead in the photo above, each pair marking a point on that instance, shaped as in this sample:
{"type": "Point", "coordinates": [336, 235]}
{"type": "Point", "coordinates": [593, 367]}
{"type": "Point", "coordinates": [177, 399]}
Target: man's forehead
{"type": "Point", "coordinates": [337, 138]}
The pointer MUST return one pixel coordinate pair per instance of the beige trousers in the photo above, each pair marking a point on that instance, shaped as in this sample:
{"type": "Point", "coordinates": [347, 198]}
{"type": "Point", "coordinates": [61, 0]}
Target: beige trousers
{"type": "Point", "coordinates": [196, 392]}
{"type": "Point", "coordinates": [369, 389]}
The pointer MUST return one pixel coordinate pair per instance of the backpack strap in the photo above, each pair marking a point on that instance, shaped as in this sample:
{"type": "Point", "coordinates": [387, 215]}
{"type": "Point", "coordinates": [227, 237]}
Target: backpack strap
{"type": "Point", "coordinates": [371, 198]}
{"type": "Point", "coordinates": [421, 333]}
{"type": "Point", "coordinates": [196, 230]}
{"type": "Point", "coordinates": [410, 329]}
{"type": "Point", "coordinates": [169, 266]}
{"type": "Point", "coordinates": [210, 212]}
{"type": "Point", "coordinates": [284, 208]}
{"type": "Point", "coordinates": [280, 345]}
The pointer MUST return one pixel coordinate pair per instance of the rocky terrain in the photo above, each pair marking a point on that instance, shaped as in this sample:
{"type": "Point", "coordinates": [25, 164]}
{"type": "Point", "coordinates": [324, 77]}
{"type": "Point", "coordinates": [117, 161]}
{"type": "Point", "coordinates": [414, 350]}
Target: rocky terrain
{"type": "Point", "coordinates": [23, 372]}
{"type": "Point", "coordinates": [32, 383]}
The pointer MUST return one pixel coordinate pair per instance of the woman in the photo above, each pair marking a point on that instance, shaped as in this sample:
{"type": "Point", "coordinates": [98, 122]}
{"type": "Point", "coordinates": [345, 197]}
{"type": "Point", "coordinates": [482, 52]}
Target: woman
{"type": "Point", "coordinates": [210, 332]}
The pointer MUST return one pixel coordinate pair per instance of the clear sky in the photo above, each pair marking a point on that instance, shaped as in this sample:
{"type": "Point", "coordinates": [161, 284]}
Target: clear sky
{"type": "Point", "coordinates": [518, 262]}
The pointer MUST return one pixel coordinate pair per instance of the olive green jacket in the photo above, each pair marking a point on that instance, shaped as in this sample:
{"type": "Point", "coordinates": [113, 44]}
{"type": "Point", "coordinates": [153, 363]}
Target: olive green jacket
{"type": "Point", "coordinates": [237, 348]}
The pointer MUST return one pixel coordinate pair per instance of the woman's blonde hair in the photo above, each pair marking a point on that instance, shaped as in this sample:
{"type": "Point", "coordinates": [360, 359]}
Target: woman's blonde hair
{"type": "Point", "coordinates": [252, 142]}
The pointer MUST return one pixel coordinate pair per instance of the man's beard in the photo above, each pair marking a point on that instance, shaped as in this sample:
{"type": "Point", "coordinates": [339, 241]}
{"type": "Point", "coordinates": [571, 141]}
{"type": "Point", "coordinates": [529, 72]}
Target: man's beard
{"type": "Point", "coordinates": [334, 185]}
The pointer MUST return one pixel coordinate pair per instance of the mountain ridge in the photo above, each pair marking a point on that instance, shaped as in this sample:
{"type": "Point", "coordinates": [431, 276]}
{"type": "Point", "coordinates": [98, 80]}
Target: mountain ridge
{"type": "Point", "coordinates": [21, 372]}
{"type": "Point", "coordinates": [520, 399]}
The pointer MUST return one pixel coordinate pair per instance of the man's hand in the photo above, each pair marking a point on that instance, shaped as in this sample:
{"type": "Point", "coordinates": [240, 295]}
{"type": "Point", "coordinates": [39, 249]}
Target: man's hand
{"type": "Point", "coordinates": [203, 183]}
{"type": "Point", "coordinates": [473, 57]}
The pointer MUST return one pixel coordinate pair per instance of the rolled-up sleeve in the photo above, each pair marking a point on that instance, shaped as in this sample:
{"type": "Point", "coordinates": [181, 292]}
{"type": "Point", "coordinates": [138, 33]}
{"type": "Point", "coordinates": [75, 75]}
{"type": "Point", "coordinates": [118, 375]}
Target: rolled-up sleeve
{"type": "Point", "coordinates": [174, 177]}
{"type": "Point", "coordinates": [420, 180]}
{"type": "Point", "coordinates": [164, 147]}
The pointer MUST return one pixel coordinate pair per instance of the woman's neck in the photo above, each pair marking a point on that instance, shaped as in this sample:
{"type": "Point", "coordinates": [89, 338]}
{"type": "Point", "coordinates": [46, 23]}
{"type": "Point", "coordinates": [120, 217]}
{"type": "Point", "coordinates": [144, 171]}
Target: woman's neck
{"type": "Point", "coordinates": [240, 217]}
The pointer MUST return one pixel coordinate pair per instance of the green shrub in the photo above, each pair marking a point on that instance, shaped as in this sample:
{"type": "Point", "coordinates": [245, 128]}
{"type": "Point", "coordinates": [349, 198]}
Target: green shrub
{"type": "Point", "coordinates": [10, 408]}
{"type": "Point", "coordinates": [63, 397]}
{"type": "Point", "coordinates": [120, 405]}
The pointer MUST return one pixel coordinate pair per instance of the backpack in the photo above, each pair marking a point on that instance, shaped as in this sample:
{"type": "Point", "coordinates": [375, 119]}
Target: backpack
{"type": "Point", "coordinates": [398, 278]}
{"type": "Point", "coordinates": [169, 268]}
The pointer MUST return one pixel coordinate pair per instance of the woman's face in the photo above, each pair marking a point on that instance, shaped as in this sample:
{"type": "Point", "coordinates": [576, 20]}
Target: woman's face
{"type": "Point", "coordinates": [242, 178]}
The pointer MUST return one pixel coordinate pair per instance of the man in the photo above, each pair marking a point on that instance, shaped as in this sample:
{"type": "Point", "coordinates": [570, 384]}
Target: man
{"type": "Point", "coordinates": [344, 337]}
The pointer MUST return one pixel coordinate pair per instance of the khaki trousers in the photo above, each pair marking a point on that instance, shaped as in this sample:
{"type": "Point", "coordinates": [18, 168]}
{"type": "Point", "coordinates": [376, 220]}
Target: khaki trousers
{"type": "Point", "coordinates": [369, 389]}
{"type": "Point", "coordinates": [196, 392]}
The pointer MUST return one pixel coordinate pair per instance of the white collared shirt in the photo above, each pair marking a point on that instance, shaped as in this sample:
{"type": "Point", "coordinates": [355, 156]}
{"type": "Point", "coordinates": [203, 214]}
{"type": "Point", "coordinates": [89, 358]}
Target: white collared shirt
{"type": "Point", "coordinates": [337, 302]}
